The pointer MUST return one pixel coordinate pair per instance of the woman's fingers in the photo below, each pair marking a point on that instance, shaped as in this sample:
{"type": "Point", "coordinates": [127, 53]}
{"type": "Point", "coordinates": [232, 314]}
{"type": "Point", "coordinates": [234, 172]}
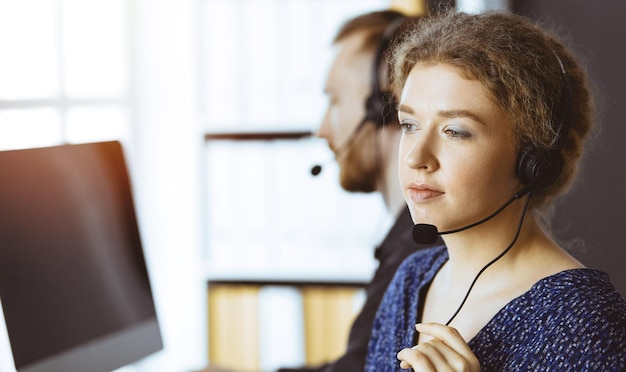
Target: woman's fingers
{"type": "Point", "coordinates": [433, 355]}
{"type": "Point", "coordinates": [448, 335]}
{"type": "Point", "coordinates": [447, 351]}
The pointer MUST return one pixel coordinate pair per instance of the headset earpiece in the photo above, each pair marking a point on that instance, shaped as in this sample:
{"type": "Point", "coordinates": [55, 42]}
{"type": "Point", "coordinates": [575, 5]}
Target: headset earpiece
{"type": "Point", "coordinates": [374, 107]}
{"type": "Point", "coordinates": [538, 168]}
{"type": "Point", "coordinates": [380, 106]}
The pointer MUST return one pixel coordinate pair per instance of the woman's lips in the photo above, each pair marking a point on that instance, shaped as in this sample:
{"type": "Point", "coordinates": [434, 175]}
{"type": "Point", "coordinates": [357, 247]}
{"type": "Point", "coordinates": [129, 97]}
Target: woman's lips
{"type": "Point", "coordinates": [421, 193]}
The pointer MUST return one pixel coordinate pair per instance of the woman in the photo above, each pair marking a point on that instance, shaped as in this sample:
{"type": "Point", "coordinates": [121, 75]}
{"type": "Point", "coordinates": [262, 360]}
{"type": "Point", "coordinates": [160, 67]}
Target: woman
{"type": "Point", "coordinates": [494, 113]}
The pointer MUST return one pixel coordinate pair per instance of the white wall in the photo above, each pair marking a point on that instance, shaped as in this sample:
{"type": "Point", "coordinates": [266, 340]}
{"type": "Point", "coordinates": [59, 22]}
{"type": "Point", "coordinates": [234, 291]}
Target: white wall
{"type": "Point", "coordinates": [165, 154]}
{"type": "Point", "coordinates": [166, 169]}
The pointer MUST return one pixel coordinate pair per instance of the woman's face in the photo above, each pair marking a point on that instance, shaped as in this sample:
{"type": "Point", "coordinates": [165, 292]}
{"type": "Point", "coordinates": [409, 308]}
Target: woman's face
{"type": "Point", "coordinates": [457, 154]}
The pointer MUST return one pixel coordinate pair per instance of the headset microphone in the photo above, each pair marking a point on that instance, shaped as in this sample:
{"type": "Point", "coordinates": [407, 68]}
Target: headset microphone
{"type": "Point", "coordinates": [380, 105]}
{"type": "Point", "coordinates": [317, 169]}
{"type": "Point", "coordinates": [427, 234]}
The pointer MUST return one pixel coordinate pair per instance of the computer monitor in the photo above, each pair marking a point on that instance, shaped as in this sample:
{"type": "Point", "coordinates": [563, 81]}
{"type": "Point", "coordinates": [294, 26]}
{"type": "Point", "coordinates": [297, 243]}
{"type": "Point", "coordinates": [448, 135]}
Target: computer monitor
{"type": "Point", "coordinates": [74, 288]}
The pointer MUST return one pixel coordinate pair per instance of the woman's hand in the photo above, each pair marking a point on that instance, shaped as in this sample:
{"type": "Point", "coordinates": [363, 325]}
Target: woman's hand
{"type": "Point", "coordinates": [446, 351]}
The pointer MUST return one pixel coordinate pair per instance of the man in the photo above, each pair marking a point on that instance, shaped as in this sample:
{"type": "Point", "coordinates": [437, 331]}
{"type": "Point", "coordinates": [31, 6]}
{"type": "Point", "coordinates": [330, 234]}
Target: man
{"type": "Point", "coordinates": [360, 126]}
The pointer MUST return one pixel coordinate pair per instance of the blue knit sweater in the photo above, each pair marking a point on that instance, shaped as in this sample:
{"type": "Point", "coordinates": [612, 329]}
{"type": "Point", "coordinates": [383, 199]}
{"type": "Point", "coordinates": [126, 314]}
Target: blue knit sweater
{"type": "Point", "coordinates": [574, 320]}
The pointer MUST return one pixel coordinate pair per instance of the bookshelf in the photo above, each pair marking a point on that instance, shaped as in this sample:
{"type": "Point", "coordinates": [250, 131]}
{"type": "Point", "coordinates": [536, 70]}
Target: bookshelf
{"type": "Point", "coordinates": [265, 325]}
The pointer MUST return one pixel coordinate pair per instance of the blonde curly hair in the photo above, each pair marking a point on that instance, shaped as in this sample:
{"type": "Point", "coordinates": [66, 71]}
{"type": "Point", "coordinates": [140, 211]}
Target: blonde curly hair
{"type": "Point", "coordinates": [520, 64]}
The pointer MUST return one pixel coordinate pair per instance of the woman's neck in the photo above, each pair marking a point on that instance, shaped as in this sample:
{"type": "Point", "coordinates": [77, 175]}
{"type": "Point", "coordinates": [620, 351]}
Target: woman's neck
{"type": "Point", "coordinates": [510, 231]}
{"type": "Point", "coordinates": [533, 254]}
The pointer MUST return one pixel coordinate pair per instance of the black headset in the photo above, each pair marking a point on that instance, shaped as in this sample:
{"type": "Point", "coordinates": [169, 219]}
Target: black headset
{"type": "Point", "coordinates": [381, 105]}
{"type": "Point", "coordinates": [540, 167]}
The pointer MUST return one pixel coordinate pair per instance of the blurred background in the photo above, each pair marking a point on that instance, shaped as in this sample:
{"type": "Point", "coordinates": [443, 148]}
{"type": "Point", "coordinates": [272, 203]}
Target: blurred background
{"type": "Point", "coordinates": [214, 102]}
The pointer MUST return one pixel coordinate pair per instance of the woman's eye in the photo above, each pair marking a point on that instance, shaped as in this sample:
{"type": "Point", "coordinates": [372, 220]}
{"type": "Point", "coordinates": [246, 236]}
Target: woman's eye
{"type": "Point", "coordinates": [457, 133]}
{"type": "Point", "coordinates": [408, 127]}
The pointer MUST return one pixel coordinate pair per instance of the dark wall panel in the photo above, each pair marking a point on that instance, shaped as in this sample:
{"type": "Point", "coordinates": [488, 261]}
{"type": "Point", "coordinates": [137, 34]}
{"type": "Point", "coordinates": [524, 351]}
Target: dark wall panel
{"type": "Point", "coordinates": [592, 217]}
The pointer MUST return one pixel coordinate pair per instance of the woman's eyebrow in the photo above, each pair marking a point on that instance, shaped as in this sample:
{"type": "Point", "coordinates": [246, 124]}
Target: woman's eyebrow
{"type": "Point", "coordinates": [445, 113]}
{"type": "Point", "coordinates": [405, 109]}
{"type": "Point", "coordinates": [460, 114]}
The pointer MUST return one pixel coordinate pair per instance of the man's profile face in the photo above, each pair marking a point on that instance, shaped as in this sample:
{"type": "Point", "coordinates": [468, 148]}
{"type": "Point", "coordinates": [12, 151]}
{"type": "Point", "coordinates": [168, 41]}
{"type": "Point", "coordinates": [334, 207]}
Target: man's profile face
{"type": "Point", "coordinates": [347, 88]}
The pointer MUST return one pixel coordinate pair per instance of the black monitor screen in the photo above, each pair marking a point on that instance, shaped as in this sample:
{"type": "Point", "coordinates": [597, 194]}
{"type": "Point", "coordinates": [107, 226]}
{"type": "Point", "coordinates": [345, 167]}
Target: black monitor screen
{"type": "Point", "coordinates": [73, 280]}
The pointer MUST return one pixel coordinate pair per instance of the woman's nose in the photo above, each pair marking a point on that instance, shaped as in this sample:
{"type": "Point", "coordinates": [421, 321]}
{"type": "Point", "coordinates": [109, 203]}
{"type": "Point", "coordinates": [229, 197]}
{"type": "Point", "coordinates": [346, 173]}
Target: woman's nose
{"type": "Point", "coordinates": [421, 152]}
